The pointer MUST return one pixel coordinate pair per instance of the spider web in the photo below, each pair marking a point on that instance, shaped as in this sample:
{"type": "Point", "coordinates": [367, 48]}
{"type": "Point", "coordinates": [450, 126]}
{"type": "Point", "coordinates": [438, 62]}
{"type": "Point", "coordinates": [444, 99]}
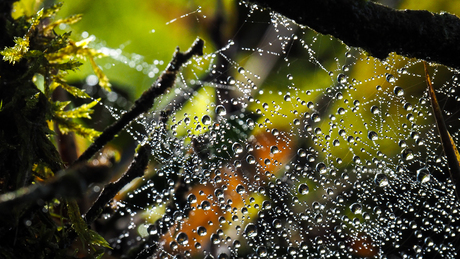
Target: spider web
{"type": "Point", "coordinates": [291, 146]}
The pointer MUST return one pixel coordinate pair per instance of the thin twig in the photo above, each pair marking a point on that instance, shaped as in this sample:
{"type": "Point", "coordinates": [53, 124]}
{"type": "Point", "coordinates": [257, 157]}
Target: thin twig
{"type": "Point", "coordinates": [448, 144]}
{"type": "Point", "coordinates": [135, 170]}
{"type": "Point", "coordinates": [145, 102]}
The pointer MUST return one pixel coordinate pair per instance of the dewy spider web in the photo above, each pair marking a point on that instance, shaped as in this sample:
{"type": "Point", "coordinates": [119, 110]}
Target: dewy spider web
{"type": "Point", "coordinates": [339, 157]}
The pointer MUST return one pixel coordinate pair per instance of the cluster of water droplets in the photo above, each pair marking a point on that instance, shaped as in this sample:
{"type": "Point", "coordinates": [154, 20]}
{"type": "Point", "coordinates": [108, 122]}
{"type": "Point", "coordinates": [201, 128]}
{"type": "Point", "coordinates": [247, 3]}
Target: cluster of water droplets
{"type": "Point", "coordinates": [338, 158]}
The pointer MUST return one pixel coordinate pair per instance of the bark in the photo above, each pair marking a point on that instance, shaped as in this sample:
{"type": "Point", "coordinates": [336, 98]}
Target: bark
{"type": "Point", "coordinates": [377, 29]}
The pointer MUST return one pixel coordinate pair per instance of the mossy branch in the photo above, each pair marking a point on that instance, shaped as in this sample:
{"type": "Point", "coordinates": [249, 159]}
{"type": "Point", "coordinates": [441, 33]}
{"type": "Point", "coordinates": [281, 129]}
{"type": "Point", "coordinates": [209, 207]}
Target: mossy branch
{"type": "Point", "coordinates": [378, 29]}
{"type": "Point", "coordinates": [145, 102]}
{"type": "Point", "coordinates": [68, 184]}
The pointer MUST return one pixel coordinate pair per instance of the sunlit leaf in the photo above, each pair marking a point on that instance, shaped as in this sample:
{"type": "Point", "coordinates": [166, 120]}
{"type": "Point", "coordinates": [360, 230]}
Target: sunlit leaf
{"type": "Point", "coordinates": [83, 111]}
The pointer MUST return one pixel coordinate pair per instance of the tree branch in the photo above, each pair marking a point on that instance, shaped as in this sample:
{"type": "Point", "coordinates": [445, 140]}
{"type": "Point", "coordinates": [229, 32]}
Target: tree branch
{"type": "Point", "coordinates": [145, 102]}
{"type": "Point", "coordinates": [136, 169]}
{"type": "Point", "coordinates": [70, 183]}
{"type": "Point", "coordinates": [378, 29]}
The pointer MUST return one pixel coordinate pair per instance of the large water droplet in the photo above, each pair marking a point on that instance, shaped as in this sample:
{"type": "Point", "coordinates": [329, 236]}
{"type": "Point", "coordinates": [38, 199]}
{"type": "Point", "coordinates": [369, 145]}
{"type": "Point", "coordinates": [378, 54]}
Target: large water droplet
{"type": "Point", "coordinates": [237, 148]}
{"type": "Point", "coordinates": [220, 110]}
{"type": "Point", "coordinates": [262, 251]}
{"type": "Point", "coordinates": [390, 78]}
{"type": "Point", "coordinates": [303, 189]}
{"type": "Point", "coordinates": [398, 91]}
{"type": "Point", "coordinates": [192, 198]}
{"type": "Point", "coordinates": [423, 175]}
{"type": "Point", "coordinates": [381, 180]}
{"type": "Point", "coordinates": [315, 117]}
{"type": "Point", "coordinates": [201, 231]}
{"type": "Point", "coordinates": [205, 205]}
{"type": "Point", "coordinates": [341, 78]}
{"type": "Point", "coordinates": [321, 168]}
{"type": "Point", "coordinates": [182, 239]}
{"type": "Point", "coordinates": [250, 230]}
{"type": "Point", "coordinates": [372, 135]}
{"type": "Point", "coordinates": [231, 80]}
{"type": "Point", "coordinates": [240, 189]}
{"type": "Point", "coordinates": [274, 150]}
{"type": "Point", "coordinates": [356, 208]}
{"type": "Point", "coordinates": [215, 239]}
{"type": "Point", "coordinates": [206, 119]}
{"type": "Point", "coordinates": [375, 110]}
{"type": "Point", "coordinates": [407, 154]}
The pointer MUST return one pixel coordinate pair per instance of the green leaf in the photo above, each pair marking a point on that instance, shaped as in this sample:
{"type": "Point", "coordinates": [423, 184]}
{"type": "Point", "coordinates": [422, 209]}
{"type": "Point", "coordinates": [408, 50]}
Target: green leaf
{"type": "Point", "coordinates": [17, 52]}
{"type": "Point", "coordinates": [70, 65]}
{"type": "Point", "coordinates": [84, 111]}
{"type": "Point", "coordinates": [67, 126]}
{"type": "Point", "coordinates": [70, 89]}
{"type": "Point", "coordinates": [70, 20]}
{"type": "Point", "coordinates": [103, 79]}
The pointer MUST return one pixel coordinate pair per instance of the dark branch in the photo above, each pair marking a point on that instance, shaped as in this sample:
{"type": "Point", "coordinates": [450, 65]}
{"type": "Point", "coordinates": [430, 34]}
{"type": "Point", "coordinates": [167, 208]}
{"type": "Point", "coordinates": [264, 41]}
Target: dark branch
{"type": "Point", "coordinates": [145, 102]}
{"type": "Point", "coordinates": [136, 169]}
{"type": "Point", "coordinates": [70, 183]}
{"type": "Point", "coordinates": [378, 29]}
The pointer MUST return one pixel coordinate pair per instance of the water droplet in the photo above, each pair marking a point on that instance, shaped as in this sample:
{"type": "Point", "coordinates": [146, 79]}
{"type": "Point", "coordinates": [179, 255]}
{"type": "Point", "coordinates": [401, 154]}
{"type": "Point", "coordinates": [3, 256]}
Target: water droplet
{"type": "Point", "coordinates": [341, 78]}
{"type": "Point", "coordinates": [262, 251]}
{"type": "Point", "coordinates": [381, 180]}
{"type": "Point", "coordinates": [301, 152]}
{"type": "Point", "coordinates": [398, 91]}
{"type": "Point", "coordinates": [402, 143]}
{"type": "Point", "coordinates": [240, 189]}
{"type": "Point", "coordinates": [303, 189]}
{"type": "Point", "coordinates": [277, 223]}
{"type": "Point", "coordinates": [287, 98]}
{"type": "Point", "coordinates": [341, 111]}
{"type": "Point", "coordinates": [250, 230]}
{"type": "Point", "coordinates": [237, 148]}
{"type": "Point", "coordinates": [241, 70]}
{"type": "Point", "coordinates": [192, 198]}
{"type": "Point", "coordinates": [390, 78]}
{"type": "Point", "coordinates": [250, 159]}
{"type": "Point", "coordinates": [231, 80]}
{"type": "Point", "coordinates": [182, 239]}
{"type": "Point", "coordinates": [315, 117]}
{"type": "Point", "coordinates": [290, 77]}
{"type": "Point", "coordinates": [321, 168]}
{"type": "Point", "coordinates": [407, 154]}
{"type": "Point", "coordinates": [220, 110]}
{"type": "Point", "coordinates": [206, 119]}
{"type": "Point", "coordinates": [429, 241]}
{"type": "Point", "coordinates": [205, 205]}
{"type": "Point", "coordinates": [201, 231]}
{"type": "Point", "coordinates": [274, 150]}
{"type": "Point", "coordinates": [375, 110]}
{"type": "Point", "coordinates": [356, 208]}
{"type": "Point", "coordinates": [215, 239]}
{"type": "Point", "coordinates": [423, 175]}
{"type": "Point", "coordinates": [372, 135]}
{"type": "Point", "coordinates": [408, 106]}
